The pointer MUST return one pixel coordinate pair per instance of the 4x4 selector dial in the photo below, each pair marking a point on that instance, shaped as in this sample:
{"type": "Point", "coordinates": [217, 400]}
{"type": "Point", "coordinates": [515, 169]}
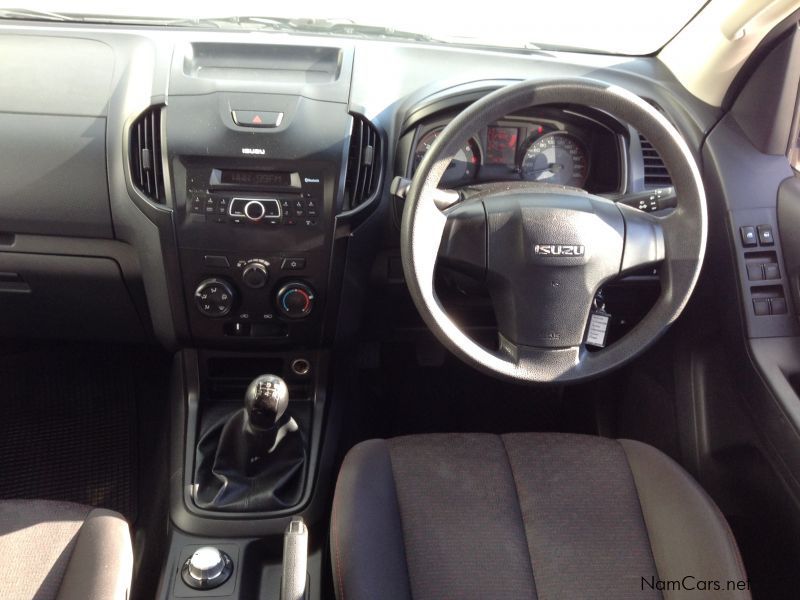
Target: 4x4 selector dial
{"type": "Point", "coordinates": [255, 274]}
{"type": "Point", "coordinates": [214, 297]}
{"type": "Point", "coordinates": [295, 300]}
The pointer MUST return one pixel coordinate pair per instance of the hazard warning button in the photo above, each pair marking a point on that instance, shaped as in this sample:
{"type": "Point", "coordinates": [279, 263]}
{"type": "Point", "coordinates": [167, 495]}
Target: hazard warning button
{"type": "Point", "coordinates": [257, 118]}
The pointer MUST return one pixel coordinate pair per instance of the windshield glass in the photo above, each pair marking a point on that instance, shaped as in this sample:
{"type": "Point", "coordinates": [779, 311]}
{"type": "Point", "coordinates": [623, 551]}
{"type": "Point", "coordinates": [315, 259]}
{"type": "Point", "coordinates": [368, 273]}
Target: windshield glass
{"type": "Point", "coordinates": [610, 26]}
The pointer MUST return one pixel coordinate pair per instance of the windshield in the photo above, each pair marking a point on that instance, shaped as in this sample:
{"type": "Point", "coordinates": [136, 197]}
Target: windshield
{"type": "Point", "coordinates": [609, 26]}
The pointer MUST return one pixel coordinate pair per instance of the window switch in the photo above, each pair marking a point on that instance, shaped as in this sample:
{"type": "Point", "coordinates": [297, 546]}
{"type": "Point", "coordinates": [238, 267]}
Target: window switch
{"type": "Point", "coordinates": [771, 271]}
{"type": "Point", "coordinates": [761, 307]}
{"type": "Point", "coordinates": [765, 235]}
{"type": "Point", "coordinates": [778, 306]}
{"type": "Point", "coordinates": [755, 273]}
{"type": "Point", "coordinates": [748, 233]}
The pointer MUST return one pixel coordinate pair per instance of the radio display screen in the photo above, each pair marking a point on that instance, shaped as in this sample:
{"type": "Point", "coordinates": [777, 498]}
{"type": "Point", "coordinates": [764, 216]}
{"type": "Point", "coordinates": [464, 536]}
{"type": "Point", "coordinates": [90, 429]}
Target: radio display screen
{"type": "Point", "coordinates": [255, 178]}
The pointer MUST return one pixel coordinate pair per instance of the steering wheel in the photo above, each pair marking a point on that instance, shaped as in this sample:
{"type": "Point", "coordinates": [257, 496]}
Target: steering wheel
{"type": "Point", "coordinates": [543, 250]}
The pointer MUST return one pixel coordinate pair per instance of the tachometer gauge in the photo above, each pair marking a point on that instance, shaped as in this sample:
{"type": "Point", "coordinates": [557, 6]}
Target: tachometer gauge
{"type": "Point", "coordinates": [465, 163]}
{"type": "Point", "coordinates": [557, 157]}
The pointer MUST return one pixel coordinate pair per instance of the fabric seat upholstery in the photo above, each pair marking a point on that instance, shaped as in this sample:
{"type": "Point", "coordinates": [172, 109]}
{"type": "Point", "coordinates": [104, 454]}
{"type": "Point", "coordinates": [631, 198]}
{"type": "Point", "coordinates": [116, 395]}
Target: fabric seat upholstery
{"type": "Point", "coordinates": [63, 551]}
{"type": "Point", "coordinates": [547, 516]}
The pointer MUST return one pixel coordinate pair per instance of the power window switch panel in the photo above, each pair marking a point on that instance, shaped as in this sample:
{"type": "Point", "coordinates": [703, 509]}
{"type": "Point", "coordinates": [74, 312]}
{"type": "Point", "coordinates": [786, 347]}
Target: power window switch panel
{"type": "Point", "coordinates": [749, 237]}
{"type": "Point", "coordinates": [765, 237]}
{"type": "Point", "coordinates": [778, 306]}
{"type": "Point", "coordinates": [755, 273]}
{"type": "Point", "coordinates": [761, 307]}
{"type": "Point", "coordinates": [771, 271]}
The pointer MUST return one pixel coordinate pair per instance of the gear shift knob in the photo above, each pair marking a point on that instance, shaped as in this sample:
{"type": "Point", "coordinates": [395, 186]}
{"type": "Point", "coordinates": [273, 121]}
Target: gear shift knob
{"type": "Point", "coordinates": [266, 400]}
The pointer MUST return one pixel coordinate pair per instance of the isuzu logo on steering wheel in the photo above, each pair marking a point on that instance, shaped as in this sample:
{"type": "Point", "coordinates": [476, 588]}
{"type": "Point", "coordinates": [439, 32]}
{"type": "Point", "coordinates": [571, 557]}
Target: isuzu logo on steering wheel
{"type": "Point", "coordinates": [559, 250]}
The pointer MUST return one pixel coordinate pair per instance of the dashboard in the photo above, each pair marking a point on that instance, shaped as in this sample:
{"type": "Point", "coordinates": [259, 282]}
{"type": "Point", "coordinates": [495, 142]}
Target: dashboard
{"type": "Point", "coordinates": [558, 145]}
{"type": "Point", "coordinates": [230, 190]}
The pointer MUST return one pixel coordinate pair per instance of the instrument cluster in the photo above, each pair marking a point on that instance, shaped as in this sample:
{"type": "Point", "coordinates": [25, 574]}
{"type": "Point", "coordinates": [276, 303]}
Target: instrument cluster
{"type": "Point", "coordinates": [570, 149]}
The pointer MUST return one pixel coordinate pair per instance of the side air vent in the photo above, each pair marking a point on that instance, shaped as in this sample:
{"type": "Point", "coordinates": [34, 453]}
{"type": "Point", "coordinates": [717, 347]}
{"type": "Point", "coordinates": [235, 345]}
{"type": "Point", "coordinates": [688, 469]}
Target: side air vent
{"type": "Point", "coordinates": [145, 155]}
{"type": "Point", "coordinates": [364, 163]}
{"type": "Point", "coordinates": [655, 173]}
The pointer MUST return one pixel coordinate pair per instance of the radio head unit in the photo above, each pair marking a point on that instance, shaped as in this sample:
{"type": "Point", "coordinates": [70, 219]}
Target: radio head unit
{"type": "Point", "coordinates": [255, 196]}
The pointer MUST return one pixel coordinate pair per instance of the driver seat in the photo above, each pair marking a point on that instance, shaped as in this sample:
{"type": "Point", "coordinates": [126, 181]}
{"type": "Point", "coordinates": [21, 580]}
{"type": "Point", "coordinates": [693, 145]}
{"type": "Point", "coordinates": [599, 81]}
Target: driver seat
{"type": "Point", "coordinates": [528, 515]}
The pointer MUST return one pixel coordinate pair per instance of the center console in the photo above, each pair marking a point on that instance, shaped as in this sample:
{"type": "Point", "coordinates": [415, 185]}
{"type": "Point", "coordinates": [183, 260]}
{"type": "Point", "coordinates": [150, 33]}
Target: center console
{"type": "Point", "coordinates": [256, 141]}
{"type": "Point", "coordinates": [255, 231]}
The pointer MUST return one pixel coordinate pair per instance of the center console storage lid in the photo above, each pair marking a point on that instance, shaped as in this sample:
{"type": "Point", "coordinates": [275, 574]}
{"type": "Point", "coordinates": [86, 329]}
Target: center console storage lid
{"type": "Point", "coordinates": [302, 68]}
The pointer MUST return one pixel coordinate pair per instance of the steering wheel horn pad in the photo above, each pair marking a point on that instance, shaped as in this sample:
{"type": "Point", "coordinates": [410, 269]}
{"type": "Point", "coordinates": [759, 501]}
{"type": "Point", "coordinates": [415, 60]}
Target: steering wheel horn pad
{"type": "Point", "coordinates": [545, 250]}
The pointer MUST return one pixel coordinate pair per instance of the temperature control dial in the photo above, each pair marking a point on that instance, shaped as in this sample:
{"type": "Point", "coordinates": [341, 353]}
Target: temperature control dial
{"type": "Point", "coordinates": [295, 300]}
{"type": "Point", "coordinates": [214, 297]}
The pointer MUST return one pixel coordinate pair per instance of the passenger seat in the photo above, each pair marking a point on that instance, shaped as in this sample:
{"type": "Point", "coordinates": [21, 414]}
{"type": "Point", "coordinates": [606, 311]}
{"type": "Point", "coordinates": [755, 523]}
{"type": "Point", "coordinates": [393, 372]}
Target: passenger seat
{"type": "Point", "coordinates": [63, 551]}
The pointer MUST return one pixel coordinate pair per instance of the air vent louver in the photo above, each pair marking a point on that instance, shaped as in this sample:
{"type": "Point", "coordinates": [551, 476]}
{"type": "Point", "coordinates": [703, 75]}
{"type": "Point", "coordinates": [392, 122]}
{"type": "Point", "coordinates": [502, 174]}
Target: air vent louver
{"type": "Point", "coordinates": [145, 154]}
{"type": "Point", "coordinates": [364, 163]}
{"type": "Point", "coordinates": [655, 173]}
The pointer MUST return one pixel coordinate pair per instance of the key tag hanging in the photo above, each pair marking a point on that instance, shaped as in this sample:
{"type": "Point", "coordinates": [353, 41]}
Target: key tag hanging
{"type": "Point", "coordinates": [599, 321]}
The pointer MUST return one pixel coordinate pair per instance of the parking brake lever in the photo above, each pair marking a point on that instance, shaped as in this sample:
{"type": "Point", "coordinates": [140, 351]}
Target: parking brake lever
{"type": "Point", "coordinates": [295, 561]}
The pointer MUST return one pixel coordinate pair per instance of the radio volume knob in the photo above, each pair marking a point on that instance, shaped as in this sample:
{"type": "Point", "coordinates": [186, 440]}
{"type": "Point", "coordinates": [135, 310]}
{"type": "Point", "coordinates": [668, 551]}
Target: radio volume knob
{"type": "Point", "coordinates": [255, 275]}
{"type": "Point", "coordinates": [254, 210]}
{"type": "Point", "coordinates": [295, 300]}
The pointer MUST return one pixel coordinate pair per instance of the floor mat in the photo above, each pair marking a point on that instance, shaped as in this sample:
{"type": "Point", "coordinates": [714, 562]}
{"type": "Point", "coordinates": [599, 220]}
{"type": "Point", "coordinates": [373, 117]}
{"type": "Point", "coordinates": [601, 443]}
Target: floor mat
{"type": "Point", "coordinates": [403, 398]}
{"type": "Point", "coordinates": [68, 429]}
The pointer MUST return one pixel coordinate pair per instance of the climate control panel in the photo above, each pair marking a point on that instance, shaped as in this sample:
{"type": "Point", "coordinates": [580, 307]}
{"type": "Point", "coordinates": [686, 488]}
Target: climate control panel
{"type": "Point", "coordinates": [215, 298]}
{"type": "Point", "coordinates": [264, 299]}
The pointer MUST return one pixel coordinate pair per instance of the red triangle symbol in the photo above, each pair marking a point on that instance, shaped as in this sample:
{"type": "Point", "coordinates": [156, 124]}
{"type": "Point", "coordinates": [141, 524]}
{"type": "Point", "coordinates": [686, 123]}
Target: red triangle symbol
{"type": "Point", "coordinates": [257, 119]}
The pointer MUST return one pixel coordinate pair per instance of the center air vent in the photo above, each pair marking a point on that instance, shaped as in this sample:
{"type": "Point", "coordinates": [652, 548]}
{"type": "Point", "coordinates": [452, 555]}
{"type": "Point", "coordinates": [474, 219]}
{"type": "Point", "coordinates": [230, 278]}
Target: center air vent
{"type": "Point", "coordinates": [655, 173]}
{"type": "Point", "coordinates": [145, 155]}
{"type": "Point", "coordinates": [364, 163]}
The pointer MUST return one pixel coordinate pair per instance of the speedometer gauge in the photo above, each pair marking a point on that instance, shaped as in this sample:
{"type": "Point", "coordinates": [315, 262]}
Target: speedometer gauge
{"type": "Point", "coordinates": [464, 165]}
{"type": "Point", "coordinates": [558, 158]}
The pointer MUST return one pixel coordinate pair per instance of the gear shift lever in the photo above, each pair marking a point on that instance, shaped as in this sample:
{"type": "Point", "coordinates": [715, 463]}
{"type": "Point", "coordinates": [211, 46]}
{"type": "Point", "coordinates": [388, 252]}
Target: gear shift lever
{"type": "Point", "coordinates": [255, 459]}
{"type": "Point", "coordinates": [265, 403]}
{"type": "Point", "coordinates": [266, 400]}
